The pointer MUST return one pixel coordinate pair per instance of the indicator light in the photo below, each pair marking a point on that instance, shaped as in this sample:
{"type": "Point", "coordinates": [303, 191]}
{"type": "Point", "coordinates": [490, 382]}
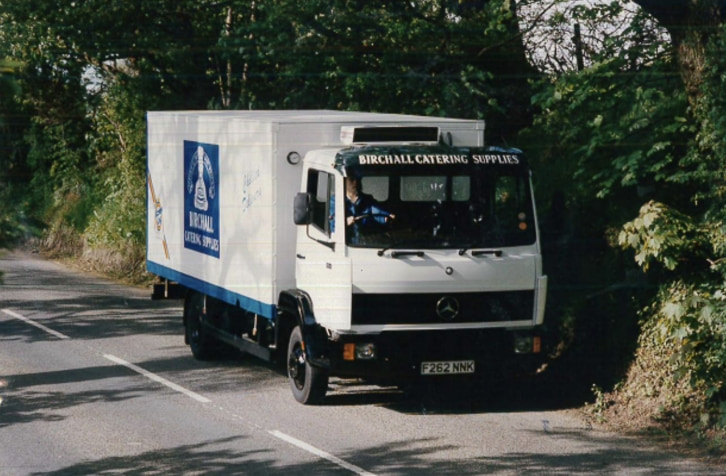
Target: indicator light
{"type": "Point", "coordinates": [364, 351]}
{"type": "Point", "coordinates": [349, 351]}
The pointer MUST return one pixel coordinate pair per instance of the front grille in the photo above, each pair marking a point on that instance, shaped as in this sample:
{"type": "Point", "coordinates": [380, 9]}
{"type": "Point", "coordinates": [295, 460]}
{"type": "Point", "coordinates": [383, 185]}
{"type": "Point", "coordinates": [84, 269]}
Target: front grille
{"type": "Point", "coordinates": [452, 307]}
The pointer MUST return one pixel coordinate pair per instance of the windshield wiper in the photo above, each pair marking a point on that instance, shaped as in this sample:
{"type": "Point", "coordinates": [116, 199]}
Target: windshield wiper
{"type": "Point", "coordinates": [481, 252]}
{"type": "Point", "coordinates": [402, 244]}
{"type": "Point", "coordinates": [398, 254]}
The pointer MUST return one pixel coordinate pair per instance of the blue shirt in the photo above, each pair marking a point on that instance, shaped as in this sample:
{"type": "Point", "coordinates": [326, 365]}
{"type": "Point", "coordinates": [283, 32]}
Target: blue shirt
{"type": "Point", "coordinates": [366, 207]}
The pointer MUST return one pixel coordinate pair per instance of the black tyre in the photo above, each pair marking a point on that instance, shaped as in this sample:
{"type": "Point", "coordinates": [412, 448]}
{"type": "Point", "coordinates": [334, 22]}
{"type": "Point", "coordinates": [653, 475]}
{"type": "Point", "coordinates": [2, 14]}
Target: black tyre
{"type": "Point", "coordinates": [308, 383]}
{"type": "Point", "coordinates": [203, 347]}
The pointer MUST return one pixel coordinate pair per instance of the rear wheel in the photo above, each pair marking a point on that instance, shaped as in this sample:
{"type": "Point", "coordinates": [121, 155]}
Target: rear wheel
{"type": "Point", "coordinates": [308, 383]}
{"type": "Point", "coordinates": [203, 346]}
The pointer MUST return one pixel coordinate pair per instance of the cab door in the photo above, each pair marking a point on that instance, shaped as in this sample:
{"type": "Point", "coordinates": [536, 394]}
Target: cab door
{"type": "Point", "coordinates": [322, 268]}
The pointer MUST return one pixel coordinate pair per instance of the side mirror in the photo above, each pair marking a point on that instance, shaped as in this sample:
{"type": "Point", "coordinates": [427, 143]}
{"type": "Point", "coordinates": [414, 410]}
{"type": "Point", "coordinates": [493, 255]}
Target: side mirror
{"type": "Point", "coordinates": [302, 209]}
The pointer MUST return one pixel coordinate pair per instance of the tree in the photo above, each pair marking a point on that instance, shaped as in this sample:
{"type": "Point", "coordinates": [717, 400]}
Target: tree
{"type": "Point", "coordinates": [691, 24]}
{"type": "Point", "coordinates": [91, 68]}
{"type": "Point", "coordinates": [682, 245]}
{"type": "Point", "coordinates": [559, 34]}
{"type": "Point", "coordinates": [14, 174]}
{"type": "Point", "coordinates": [427, 57]}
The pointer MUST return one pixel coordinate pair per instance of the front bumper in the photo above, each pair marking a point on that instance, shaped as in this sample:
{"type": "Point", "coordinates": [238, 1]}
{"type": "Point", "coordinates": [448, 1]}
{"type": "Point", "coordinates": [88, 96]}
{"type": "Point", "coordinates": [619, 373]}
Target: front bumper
{"type": "Point", "coordinates": [398, 355]}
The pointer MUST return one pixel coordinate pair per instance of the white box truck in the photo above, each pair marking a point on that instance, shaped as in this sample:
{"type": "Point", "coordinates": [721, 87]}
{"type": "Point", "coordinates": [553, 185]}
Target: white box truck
{"type": "Point", "coordinates": [380, 246]}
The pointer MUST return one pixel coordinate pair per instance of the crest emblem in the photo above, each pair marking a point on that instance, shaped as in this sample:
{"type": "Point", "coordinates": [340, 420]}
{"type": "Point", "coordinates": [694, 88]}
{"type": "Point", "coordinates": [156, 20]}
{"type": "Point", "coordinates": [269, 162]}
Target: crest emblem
{"type": "Point", "coordinates": [447, 308]}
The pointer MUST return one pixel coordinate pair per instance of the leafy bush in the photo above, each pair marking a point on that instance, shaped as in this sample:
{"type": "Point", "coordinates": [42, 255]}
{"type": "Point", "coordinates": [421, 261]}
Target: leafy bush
{"type": "Point", "coordinates": [687, 319]}
{"type": "Point", "coordinates": [664, 235]}
{"type": "Point", "coordinates": [14, 223]}
{"type": "Point", "coordinates": [677, 378]}
{"type": "Point", "coordinates": [115, 233]}
{"type": "Point", "coordinates": [625, 131]}
{"type": "Point", "coordinates": [605, 139]}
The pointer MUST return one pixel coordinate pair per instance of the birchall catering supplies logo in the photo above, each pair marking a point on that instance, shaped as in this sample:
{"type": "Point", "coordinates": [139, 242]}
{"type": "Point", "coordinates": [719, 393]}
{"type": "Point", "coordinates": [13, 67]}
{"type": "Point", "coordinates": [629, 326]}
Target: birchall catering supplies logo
{"type": "Point", "coordinates": [201, 197]}
{"type": "Point", "coordinates": [158, 215]}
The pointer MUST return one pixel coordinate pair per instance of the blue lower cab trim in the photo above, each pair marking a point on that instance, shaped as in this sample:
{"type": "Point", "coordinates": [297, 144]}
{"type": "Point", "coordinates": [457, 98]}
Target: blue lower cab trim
{"type": "Point", "coordinates": [267, 311]}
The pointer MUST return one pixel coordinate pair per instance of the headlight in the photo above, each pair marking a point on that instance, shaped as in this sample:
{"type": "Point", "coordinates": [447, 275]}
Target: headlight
{"type": "Point", "coordinates": [361, 351]}
{"type": "Point", "coordinates": [527, 345]}
{"type": "Point", "coordinates": [522, 345]}
{"type": "Point", "coordinates": [365, 351]}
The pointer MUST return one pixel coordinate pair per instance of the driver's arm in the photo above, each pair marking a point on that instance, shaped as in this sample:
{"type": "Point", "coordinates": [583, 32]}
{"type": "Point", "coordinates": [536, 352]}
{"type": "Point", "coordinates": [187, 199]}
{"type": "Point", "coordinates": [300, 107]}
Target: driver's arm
{"type": "Point", "coordinates": [380, 215]}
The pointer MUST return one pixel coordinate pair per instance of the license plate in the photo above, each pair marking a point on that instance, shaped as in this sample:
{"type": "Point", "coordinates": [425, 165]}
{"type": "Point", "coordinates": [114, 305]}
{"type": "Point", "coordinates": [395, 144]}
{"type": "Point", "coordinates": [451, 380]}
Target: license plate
{"type": "Point", "coordinates": [447, 367]}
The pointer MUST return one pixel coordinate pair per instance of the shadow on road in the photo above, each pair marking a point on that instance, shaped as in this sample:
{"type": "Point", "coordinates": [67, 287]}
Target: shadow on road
{"type": "Point", "coordinates": [537, 393]}
{"type": "Point", "coordinates": [86, 307]}
{"type": "Point", "coordinates": [225, 456]}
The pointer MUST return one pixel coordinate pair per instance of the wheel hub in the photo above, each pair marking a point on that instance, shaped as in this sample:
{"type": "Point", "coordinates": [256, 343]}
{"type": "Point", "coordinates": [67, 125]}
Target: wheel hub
{"type": "Point", "coordinates": [297, 365]}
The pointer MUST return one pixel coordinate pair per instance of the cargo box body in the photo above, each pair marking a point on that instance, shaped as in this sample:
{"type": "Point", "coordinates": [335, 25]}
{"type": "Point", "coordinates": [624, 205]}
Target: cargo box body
{"type": "Point", "coordinates": [220, 190]}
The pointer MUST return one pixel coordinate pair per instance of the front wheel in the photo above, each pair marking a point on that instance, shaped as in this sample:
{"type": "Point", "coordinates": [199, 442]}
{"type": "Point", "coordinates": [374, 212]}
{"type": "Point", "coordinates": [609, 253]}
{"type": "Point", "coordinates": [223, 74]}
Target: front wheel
{"type": "Point", "coordinates": [308, 383]}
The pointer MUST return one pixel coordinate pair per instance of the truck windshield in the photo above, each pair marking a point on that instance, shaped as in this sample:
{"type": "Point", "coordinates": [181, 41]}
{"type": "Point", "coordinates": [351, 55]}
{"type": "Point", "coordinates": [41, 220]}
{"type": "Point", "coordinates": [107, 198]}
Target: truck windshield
{"type": "Point", "coordinates": [490, 209]}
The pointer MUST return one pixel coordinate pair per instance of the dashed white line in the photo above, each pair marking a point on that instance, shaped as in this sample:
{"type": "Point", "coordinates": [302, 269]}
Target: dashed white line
{"type": "Point", "coordinates": [200, 398]}
{"type": "Point", "coordinates": [115, 359]}
{"type": "Point", "coordinates": [320, 453]}
{"type": "Point", "coordinates": [157, 378]}
{"type": "Point", "coordinates": [33, 323]}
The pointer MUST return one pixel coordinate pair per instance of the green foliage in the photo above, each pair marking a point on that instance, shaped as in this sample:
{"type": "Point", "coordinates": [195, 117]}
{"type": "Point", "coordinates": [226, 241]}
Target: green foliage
{"type": "Point", "coordinates": [663, 235]}
{"type": "Point", "coordinates": [689, 314]}
{"type": "Point", "coordinates": [117, 222]}
{"type": "Point", "coordinates": [15, 225]}
{"type": "Point", "coordinates": [624, 130]}
{"type": "Point", "coordinates": [614, 133]}
{"type": "Point", "coordinates": [704, 163]}
{"type": "Point", "coordinates": [435, 58]}
{"type": "Point", "coordinates": [604, 140]}
{"type": "Point", "coordinates": [14, 174]}
{"type": "Point", "coordinates": [88, 71]}
{"type": "Point", "coordinates": [60, 186]}
{"type": "Point", "coordinates": [691, 319]}
{"type": "Point", "coordinates": [601, 404]}
{"type": "Point", "coordinates": [617, 128]}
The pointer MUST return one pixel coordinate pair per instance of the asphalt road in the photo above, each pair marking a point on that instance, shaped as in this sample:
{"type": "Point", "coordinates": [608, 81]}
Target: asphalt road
{"type": "Point", "coordinates": [95, 379]}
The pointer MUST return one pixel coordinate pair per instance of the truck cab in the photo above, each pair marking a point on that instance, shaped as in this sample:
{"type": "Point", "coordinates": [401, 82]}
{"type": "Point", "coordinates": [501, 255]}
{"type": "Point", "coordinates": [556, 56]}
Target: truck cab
{"type": "Point", "coordinates": [419, 259]}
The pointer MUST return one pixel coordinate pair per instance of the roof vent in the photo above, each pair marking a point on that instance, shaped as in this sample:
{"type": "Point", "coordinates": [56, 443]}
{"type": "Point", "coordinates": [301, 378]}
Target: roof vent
{"type": "Point", "coordinates": [389, 134]}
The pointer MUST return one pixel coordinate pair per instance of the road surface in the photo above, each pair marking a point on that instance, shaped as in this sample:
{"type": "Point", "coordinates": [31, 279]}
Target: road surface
{"type": "Point", "coordinates": [95, 379]}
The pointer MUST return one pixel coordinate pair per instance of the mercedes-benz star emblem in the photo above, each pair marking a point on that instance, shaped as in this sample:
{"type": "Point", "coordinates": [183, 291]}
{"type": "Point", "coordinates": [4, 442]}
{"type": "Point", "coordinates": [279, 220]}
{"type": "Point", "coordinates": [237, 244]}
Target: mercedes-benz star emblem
{"type": "Point", "coordinates": [447, 308]}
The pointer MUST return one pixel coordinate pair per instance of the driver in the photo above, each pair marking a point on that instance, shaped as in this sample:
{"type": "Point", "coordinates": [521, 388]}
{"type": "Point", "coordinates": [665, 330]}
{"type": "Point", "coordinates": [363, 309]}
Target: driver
{"type": "Point", "coordinates": [362, 211]}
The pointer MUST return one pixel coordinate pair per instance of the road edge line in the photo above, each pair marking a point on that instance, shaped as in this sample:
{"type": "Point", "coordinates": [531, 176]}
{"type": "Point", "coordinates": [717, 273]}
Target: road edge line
{"type": "Point", "coordinates": [320, 453]}
{"type": "Point", "coordinates": [157, 378]}
{"type": "Point", "coordinates": [33, 323]}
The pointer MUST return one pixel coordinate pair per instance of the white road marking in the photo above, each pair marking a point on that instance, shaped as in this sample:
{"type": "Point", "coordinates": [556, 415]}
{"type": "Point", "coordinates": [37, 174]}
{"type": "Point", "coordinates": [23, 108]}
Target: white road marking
{"type": "Point", "coordinates": [200, 398]}
{"type": "Point", "coordinates": [157, 378]}
{"type": "Point", "coordinates": [33, 323]}
{"type": "Point", "coordinates": [320, 453]}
